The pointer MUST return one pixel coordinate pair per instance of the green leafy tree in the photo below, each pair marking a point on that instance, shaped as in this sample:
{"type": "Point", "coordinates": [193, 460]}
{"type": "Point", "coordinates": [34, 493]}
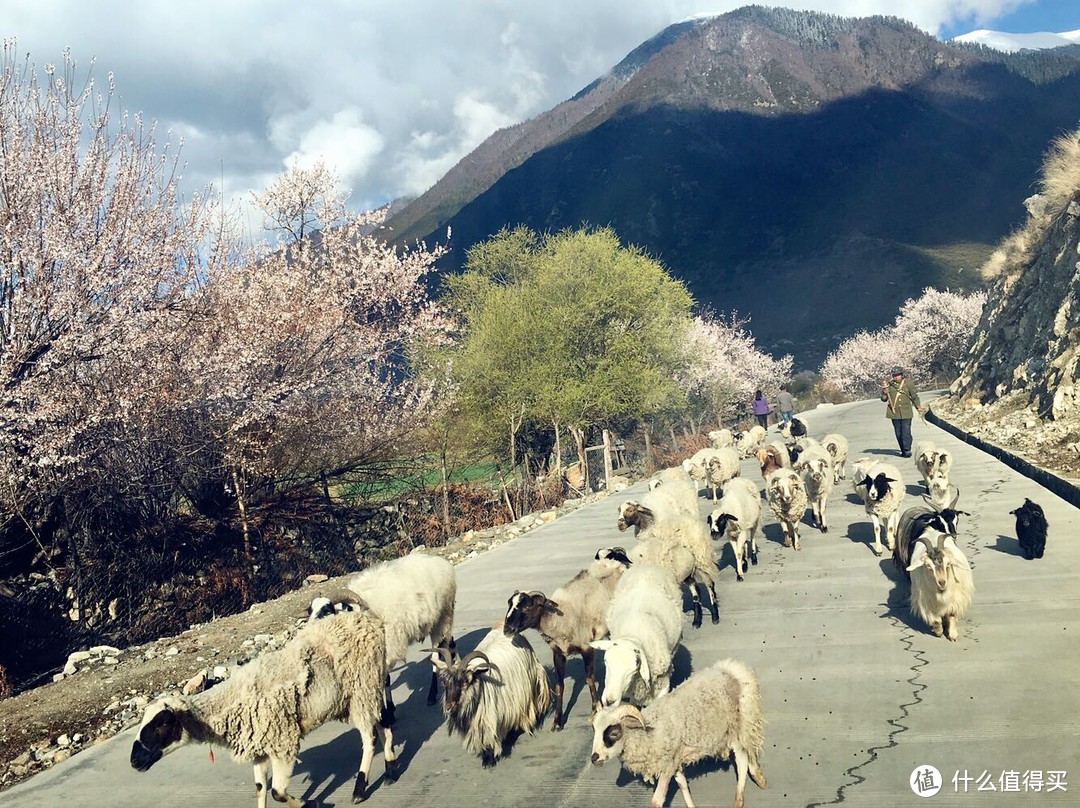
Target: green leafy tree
{"type": "Point", "coordinates": [573, 329]}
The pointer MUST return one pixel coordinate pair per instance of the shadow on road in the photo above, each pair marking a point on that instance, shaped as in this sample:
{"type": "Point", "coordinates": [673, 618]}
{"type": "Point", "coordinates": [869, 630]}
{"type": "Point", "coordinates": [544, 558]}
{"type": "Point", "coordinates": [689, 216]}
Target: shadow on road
{"type": "Point", "coordinates": [1007, 545]}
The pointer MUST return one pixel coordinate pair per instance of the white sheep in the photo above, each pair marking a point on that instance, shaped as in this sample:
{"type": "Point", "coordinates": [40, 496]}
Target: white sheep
{"type": "Point", "coordinates": [719, 438]}
{"type": "Point", "coordinates": [942, 494]}
{"type": "Point", "coordinates": [497, 690]}
{"type": "Point", "coordinates": [932, 461]}
{"type": "Point", "coordinates": [671, 495]}
{"type": "Point", "coordinates": [713, 468]}
{"type": "Point", "coordinates": [882, 491]}
{"type": "Point", "coordinates": [786, 493]}
{"type": "Point", "coordinates": [714, 714]}
{"type": "Point", "coordinates": [721, 468]}
{"type": "Point", "coordinates": [569, 621]}
{"type": "Point", "coordinates": [942, 586]}
{"type": "Point", "coordinates": [689, 534]}
{"type": "Point", "coordinates": [644, 627]}
{"type": "Point", "coordinates": [750, 440]}
{"type": "Point", "coordinates": [414, 595]}
{"type": "Point", "coordinates": [816, 466]}
{"type": "Point", "coordinates": [859, 467]}
{"type": "Point", "coordinates": [737, 518]}
{"type": "Point", "coordinates": [837, 446]}
{"type": "Point", "coordinates": [333, 669]}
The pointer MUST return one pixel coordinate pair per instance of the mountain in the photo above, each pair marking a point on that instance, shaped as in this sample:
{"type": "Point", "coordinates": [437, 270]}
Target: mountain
{"type": "Point", "coordinates": [1010, 43]}
{"type": "Point", "coordinates": [809, 171]}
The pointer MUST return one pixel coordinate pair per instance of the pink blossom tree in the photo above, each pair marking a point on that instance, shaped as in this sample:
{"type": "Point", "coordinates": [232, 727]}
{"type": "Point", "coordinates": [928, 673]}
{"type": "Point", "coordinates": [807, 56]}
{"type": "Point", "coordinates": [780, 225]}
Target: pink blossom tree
{"type": "Point", "coordinates": [929, 339]}
{"type": "Point", "coordinates": [723, 368]}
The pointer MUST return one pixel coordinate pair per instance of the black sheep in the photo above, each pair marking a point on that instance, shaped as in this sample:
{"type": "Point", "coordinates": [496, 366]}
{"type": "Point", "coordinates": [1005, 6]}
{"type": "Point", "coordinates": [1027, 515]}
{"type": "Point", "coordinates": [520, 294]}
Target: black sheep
{"type": "Point", "coordinates": [1031, 529]}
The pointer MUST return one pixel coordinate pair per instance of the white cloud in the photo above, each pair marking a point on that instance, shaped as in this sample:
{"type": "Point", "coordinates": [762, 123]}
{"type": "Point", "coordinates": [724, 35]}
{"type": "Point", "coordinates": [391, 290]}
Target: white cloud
{"type": "Point", "coordinates": [391, 94]}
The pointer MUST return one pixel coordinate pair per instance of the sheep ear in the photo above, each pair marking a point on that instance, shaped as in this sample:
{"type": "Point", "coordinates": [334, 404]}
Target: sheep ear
{"type": "Point", "coordinates": [914, 566]}
{"type": "Point", "coordinates": [643, 665]}
{"type": "Point", "coordinates": [552, 606]}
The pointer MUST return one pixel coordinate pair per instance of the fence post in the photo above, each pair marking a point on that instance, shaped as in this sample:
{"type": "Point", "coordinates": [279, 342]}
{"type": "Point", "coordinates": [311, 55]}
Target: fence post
{"type": "Point", "coordinates": [607, 460]}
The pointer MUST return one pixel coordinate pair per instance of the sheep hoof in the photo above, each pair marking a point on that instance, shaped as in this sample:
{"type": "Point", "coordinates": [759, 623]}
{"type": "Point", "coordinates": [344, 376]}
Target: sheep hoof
{"type": "Point", "coordinates": [488, 759]}
{"type": "Point", "coordinates": [358, 789]}
{"type": "Point", "coordinates": [391, 771]}
{"type": "Point", "coordinates": [787, 542]}
{"type": "Point", "coordinates": [824, 528]}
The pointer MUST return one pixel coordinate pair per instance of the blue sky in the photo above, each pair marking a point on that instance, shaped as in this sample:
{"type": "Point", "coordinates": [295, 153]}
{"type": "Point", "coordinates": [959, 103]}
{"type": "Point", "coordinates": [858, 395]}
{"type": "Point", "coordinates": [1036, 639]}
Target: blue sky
{"type": "Point", "coordinates": [391, 93]}
{"type": "Point", "coordinates": [1055, 16]}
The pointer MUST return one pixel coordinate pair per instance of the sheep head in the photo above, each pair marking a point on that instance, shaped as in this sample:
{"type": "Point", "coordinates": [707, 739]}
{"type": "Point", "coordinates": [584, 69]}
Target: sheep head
{"type": "Point", "coordinates": [623, 660]}
{"type": "Point", "coordinates": [936, 561]}
{"type": "Point", "coordinates": [877, 487]}
{"type": "Point", "coordinates": [525, 610]}
{"type": "Point", "coordinates": [634, 514]}
{"type": "Point", "coordinates": [610, 727]}
{"type": "Point", "coordinates": [720, 523]}
{"type": "Point", "coordinates": [458, 675]}
{"type": "Point", "coordinates": [613, 554]}
{"type": "Point", "coordinates": [166, 726]}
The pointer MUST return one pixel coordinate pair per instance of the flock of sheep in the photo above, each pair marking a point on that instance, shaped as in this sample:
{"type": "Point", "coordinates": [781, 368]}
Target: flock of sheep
{"type": "Point", "coordinates": [626, 604]}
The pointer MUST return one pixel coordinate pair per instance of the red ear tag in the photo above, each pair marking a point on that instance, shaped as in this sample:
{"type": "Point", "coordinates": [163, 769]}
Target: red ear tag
{"type": "Point", "coordinates": [211, 755]}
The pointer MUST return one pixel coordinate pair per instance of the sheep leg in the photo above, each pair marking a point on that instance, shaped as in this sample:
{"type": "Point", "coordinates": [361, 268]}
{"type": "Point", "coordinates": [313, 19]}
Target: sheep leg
{"type": "Point", "coordinates": [823, 525]}
{"type": "Point", "coordinates": [742, 768]}
{"type": "Point", "coordinates": [714, 602]}
{"type": "Point", "coordinates": [386, 738]}
{"type": "Point", "coordinates": [282, 771]}
{"type": "Point", "coordinates": [697, 604]}
{"type": "Point", "coordinates": [890, 528]}
{"type": "Point", "coordinates": [659, 795]}
{"type": "Point", "coordinates": [433, 688]}
{"type": "Point", "coordinates": [588, 659]}
{"type": "Point", "coordinates": [737, 548]}
{"type": "Point", "coordinates": [935, 628]}
{"type": "Point", "coordinates": [951, 627]}
{"type": "Point", "coordinates": [262, 777]}
{"type": "Point", "coordinates": [559, 658]}
{"type": "Point", "coordinates": [367, 737]}
{"type": "Point", "coordinates": [877, 534]}
{"type": "Point", "coordinates": [388, 701]}
{"type": "Point", "coordinates": [684, 788]}
{"type": "Point", "coordinates": [795, 536]}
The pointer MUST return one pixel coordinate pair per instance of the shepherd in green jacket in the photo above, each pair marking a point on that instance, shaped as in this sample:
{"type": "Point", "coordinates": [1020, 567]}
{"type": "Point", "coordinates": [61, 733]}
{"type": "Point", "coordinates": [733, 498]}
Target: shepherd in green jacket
{"type": "Point", "coordinates": [900, 396]}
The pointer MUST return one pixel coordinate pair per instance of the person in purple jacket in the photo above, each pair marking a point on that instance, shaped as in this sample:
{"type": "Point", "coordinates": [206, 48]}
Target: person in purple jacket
{"type": "Point", "coordinates": [762, 409]}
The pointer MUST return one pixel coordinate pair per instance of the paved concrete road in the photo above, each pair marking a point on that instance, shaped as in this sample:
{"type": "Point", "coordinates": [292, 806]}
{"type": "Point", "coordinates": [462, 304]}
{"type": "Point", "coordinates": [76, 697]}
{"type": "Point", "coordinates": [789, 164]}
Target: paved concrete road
{"type": "Point", "coordinates": [857, 694]}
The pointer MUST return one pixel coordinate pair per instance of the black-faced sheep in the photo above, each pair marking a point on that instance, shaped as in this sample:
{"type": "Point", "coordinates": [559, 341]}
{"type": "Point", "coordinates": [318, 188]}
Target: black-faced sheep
{"type": "Point", "coordinates": [1031, 529]}
{"type": "Point", "coordinates": [414, 595]}
{"type": "Point", "coordinates": [793, 430]}
{"type": "Point", "coordinates": [569, 621]}
{"type": "Point", "coordinates": [749, 440]}
{"type": "Point", "coordinates": [644, 626]}
{"type": "Point", "coordinates": [786, 493]}
{"type": "Point", "coordinates": [882, 491]}
{"type": "Point", "coordinates": [333, 669]}
{"type": "Point", "coordinates": [493, 692]}
{"type": "Point", "coordinates": [737, 518]}
{"type": "Point", "coordinates": [714, 714]}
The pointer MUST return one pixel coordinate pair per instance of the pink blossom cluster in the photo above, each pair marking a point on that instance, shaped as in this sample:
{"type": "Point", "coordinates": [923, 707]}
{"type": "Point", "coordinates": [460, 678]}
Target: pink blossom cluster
{"type": "Point", "coordinates": [929, 339]}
